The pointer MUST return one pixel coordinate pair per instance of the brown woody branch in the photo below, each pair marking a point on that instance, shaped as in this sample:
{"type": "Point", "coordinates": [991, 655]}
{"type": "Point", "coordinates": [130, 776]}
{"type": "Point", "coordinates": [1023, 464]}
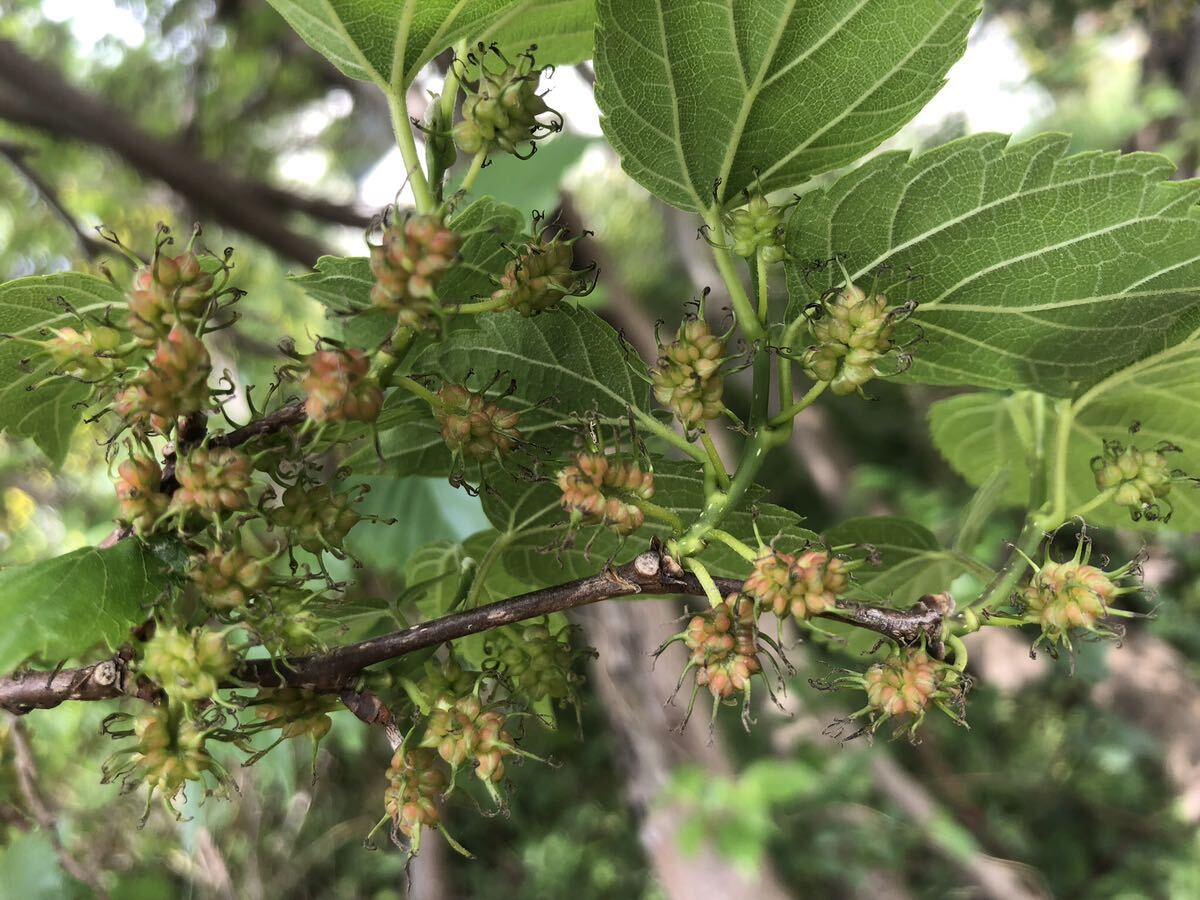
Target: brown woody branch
{"type": "Point", "coordinates": [336, 670]}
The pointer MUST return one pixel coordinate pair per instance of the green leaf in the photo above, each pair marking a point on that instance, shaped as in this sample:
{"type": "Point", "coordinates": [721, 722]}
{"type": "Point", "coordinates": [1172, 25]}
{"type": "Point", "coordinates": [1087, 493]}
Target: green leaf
{"type": "Point", "coordinates": [562, 30]}
{"type": "Point", "coordinates": [343, 284]}
{"type": "Point", "coordinates": [532, 528]}
{"type": "Point", "coordinates": [361, 37]}
{"type": "Point", "coordinates": [434, 574]}
{"type": "Point", "coordinates": [29, 308]}
{"type": "Point", "coordinates": [776, 90]}
{"type": "Point", "coordinates": [62, 606]}
{"type": "Point", "coordinates": [428, 509]}
{"type": "Point", "coordinates": [1030, 268]}
{"type": "Point", "coordinates": [982, 432]}
{"type": "Point", "coordinates": [910, 559]}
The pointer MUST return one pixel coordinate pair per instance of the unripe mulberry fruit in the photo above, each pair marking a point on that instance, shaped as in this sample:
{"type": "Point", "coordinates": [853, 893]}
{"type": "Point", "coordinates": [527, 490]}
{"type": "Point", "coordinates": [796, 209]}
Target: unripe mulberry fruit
{"type": "Point", "coordinates": [296, 712]}
{"type": "Point", "coordinates": [187, 665]}
{"type": "Point", "coordinates": [176, 381]}
{"type": "Point", "coordinates": [905, 682]}
{"type": "Point", "coordinates": [474, 426]}
{"type": "Point", "coordinates": [852, 335]}
{"type": "Point", "coordinates": [601, 490]}
{"type": "Point", "coordinates": [213, 481]}
{"type": "Point", "coordinates": [139, 492]}
{"type": "Point", "coordinates": [803, 586]}
{"type": "Point", "coordinates": [687, 379]}
{"type": "Point", "coordinates": [414, 256]}
{"type": "Point", "coordinates": [415, 784]}
{"type": "Point", "coordinates": [1139, 479]}
{"type": "Point", "coordinates": [339, 389]}
{"type": "Point", "coordinates": [463, 730]}
{"type": "Point", "coordinates": [538, 662]}
{"type": "Point", "coordinates": [757, 228]}
{"type": "Point", "coordinates": [501, 109]}
{"type": "Point", "coordinates": [316, 518]}
{"type": "Point", "coordinates": [229, 577]}
{"type": "Point", "coordinates": [169, 752]}
{"type": "Point", "coordinates": [89, 355]}
{"type": "Point", "coordinates": [170, 291]}
{"type": "Point", "coordinates": [540, 275]}
{"type": "Point", "coordinates": [724, 647]}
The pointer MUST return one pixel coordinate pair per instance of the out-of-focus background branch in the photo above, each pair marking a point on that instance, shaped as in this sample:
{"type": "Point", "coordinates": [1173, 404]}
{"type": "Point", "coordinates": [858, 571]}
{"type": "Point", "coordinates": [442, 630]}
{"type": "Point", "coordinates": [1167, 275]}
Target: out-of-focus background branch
{"type": "Point", "coordinates": [128, 112]}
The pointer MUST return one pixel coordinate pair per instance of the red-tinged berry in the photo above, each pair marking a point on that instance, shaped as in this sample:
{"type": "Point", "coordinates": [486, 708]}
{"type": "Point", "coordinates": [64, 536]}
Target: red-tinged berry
{"type": "Point", "coordinates": [463, 730]}
{"type": "Point", "coordinates": [802, 586]}
{"type": "Point", "coordinates": [408, 265]}
{"type": "Point", "coordinates": [502, 108]}
{"type": "Point", "coordinates": [1074, 596]}
{"type": "Point", "coordinates": [599, 489]}
{"type": "Point", "coordinates": [139, 493]}
{"type": "Point", "coordinates": [540, 275]}
{"type": "Point", "coordinates": [213, 482]}
{"type": "Point", "coordinates": [473, 426]}
{"type": "Point", "coordinates": [175, 383]}
{"type": "Point", "coordinates": [688, 379]}
{"type": "Point", "coordinates": [170, 292]}
{"type": "Point", "coordinates": [339, 388]}
{"type": "Point", "coordinates": [415, 787]}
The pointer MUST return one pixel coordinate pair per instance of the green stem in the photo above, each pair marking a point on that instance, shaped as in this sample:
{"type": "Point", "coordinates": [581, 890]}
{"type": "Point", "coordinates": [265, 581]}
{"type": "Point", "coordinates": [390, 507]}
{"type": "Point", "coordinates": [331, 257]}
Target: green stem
{"type": "Point", "coordinates": [763, 292]}
{"type": "Point", "coordinates": [654, 511]}
{"type": "Point", "coordinates": [760, 391]}
{"type": "Point", "coordinates": [720, 502]}
{"type": "Point", "coordinates": [398, 104]}
{"type": "Point", "coordinates": [742, 549]}
{"type": "Point", "coordinates": [785, 364]}
{"type": "Point", "coordinates": [706, 581]}
{"type": "Point", "coordinates": [479, 306]}
{"type": "Point", "coordinates": [742, 308]}
{"type": "Point", "coordinates": [785, 417]}
{"type": "Point", "coordinates": [390, 355]}
{"type": "Point", "coordinates": [419, 390]}
{"type": "Point", "coordinates": [1007, 578]}
{"type": "Point", "coordinates": [472, 173]}
{"type": "Point", "coordinates": [1099, 500]}
{"type": "Point", "coordinates": [1057, 488]}
{"type": "Point", "coordinates": [718, 467]}
{"type": "Point", "coordinates": [667, 434]}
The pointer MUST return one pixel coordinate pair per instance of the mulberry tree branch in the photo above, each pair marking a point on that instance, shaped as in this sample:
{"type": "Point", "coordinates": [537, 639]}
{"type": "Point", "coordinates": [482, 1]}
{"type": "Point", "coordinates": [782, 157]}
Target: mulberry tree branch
{"type": "Point", "coordinates": [335, 671]}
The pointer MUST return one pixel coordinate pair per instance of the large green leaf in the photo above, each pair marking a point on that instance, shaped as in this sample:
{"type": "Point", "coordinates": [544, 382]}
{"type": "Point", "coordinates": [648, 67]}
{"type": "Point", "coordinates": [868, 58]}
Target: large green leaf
{"type": "Point", "coordinates": [343, 284]}
{"type": "Point", "coordinates": [907, 560]}
{"type": "Point", "coordinates": [982, 432]}
{"type": "Point", "coordinates": [62, 606]}
{"type": "Point", "coordinates": [362, 37]}
{"type": "Point", "coordinates": [776, 90]}
{"type": "Point", "coordinates": [29, 309]}
{"type": "Point", "coordinates": [1031, 268]}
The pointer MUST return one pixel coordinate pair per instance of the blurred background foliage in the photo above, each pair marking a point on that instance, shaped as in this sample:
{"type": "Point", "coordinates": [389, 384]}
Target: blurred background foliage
{"type": "Point", "coordinates": [1083, 784]}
